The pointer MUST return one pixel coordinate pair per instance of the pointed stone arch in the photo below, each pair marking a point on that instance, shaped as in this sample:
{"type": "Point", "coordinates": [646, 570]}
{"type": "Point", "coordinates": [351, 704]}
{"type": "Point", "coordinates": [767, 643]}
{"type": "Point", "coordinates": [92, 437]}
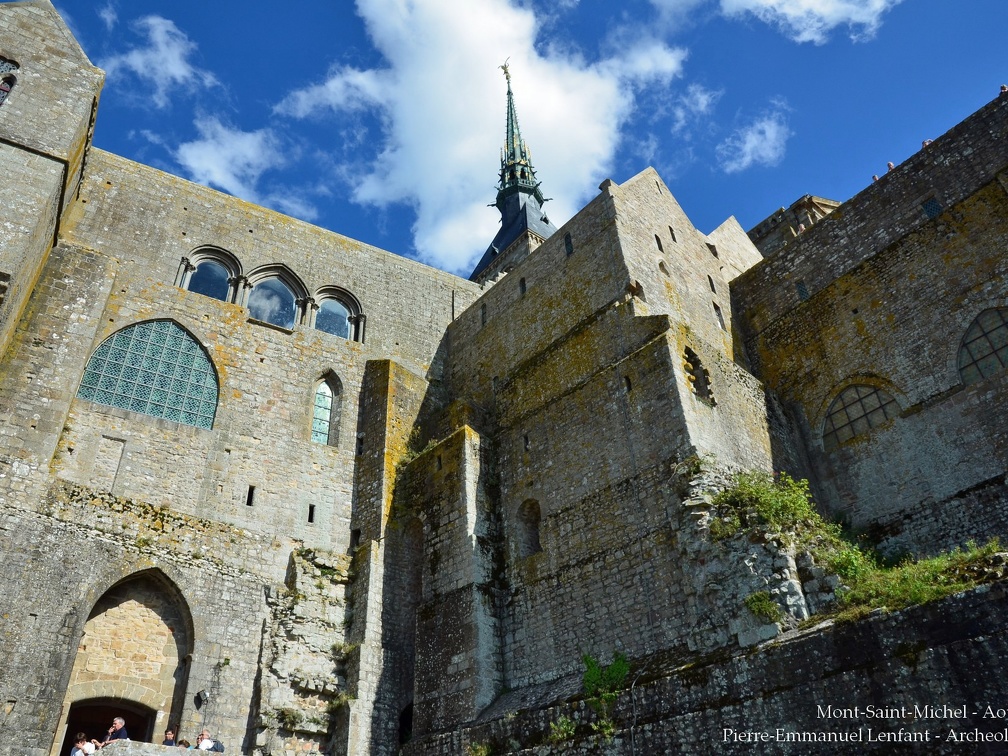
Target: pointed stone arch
{"type": "Point", "coordinates": [134, 654]}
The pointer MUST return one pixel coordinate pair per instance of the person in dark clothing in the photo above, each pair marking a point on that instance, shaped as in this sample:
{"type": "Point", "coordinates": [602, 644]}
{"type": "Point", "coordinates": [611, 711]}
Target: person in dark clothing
{"type": "Point", "coordinates": [116, 732]}
{"type": "Point", "coordinates": [169, 737]}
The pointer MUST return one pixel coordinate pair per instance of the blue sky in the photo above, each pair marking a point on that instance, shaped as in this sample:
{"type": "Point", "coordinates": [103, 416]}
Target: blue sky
{"type": "Point", "coordinates": [383, 119]}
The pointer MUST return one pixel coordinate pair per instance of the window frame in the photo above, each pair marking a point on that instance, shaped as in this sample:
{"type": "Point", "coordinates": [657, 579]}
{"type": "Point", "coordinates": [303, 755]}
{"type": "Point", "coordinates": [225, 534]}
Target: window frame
{"type": "Point", "coordinates": [302, 301]}
{"type": "Point", "coordinates": [355, 316]}
{"type": "Point", "coordinates": [999, 353]}
{"type": "Point", "coordinates": [829, 431]}
{"type": "Point", "coordinates": [331, 382]}
{"type": "Point", "coordinates": [191, 262]}
{"type": "Point", "coordinates": [134, 360]}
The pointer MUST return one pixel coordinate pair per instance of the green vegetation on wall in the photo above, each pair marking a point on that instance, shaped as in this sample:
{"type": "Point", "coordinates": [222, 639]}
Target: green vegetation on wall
{"type": "Point", "coordinates": [601, 687]}
{"type": "Point", "coordinates": [758, 503]}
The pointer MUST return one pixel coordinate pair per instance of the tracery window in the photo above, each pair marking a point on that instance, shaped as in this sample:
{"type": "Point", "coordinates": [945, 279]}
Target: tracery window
{"type": "Point", "coordinates": [156, 368]}
{"type": "Point", "coordinates": [325, 418]}
{"type": "Point", "coordinates": [857, 409]}
{"type": "Point", "coordinates": [984, 349]}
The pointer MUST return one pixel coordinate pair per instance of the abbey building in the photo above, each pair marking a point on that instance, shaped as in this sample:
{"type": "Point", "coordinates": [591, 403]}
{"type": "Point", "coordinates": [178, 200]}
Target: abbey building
{"type": "Point", "coordinates": [261, 478]}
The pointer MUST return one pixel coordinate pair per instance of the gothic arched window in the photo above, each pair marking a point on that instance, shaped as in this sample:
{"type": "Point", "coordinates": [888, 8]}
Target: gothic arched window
{"type": "Point", "coordinates": [325, 416]}
{"type": "Point", "coordinates": [333, 318]}
{"type": "Point", "coordinates": [984, 349]}
{"type": "Point", "coordinates": [857, 409]}
{"type": "Point", "coordinates": [339, 313]}
{"type": "Point", "coordinates": [6, 85]}
{"type": "Point", "coordinates": [155, 368]}
{"type": "Point", "coordinates": [211, 272]}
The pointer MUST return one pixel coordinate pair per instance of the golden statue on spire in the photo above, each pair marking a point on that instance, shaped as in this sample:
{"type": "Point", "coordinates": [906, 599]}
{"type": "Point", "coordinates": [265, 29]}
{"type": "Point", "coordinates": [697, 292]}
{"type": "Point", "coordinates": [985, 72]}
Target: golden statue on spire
{"type": "Point", "coordinates": [504, 68]}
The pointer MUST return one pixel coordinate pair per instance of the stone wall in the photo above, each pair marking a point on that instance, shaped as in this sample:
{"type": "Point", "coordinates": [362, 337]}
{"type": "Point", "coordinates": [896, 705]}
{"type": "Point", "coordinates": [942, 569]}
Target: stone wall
{"type": "Point", "coordinates": [889, 663]}
{"type": "Point", "coordinates": [63, 559]}
{"type": "Point", "coordinates": [895, 321]}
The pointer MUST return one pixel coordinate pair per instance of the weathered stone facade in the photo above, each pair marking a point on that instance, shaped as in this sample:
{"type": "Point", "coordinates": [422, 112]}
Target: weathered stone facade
{"type": "Point", "coordinates": [408, 530]}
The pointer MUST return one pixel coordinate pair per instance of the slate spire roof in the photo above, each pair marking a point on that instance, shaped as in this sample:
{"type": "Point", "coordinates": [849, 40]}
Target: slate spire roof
{"type": "Point", "coordinates": [519, 197]}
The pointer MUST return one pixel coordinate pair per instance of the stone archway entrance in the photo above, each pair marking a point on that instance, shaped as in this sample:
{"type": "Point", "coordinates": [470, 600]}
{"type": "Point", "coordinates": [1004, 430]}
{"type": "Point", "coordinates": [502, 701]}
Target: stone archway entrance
{"type": "Point", "coordinates": [132, 661]}
{"type": "Point", "coordinates": [94, 717]}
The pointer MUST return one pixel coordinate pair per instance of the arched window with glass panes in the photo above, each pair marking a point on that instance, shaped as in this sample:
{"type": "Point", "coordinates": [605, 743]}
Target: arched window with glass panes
{"type": "Point", "coordinates": [156, 368]}
{"type": "Point", "coordinates": [212, 272]}
{"type": "Point", "coordinates": [326, 412]}
{"type": "Point", "coordinates": [856, 410]}
{"type": "Point", "coordinates": [339, 313]}
{"type": "Point", "coordinates": [276, 296]}
{"type": "Point", "coordinates": [983, 352]}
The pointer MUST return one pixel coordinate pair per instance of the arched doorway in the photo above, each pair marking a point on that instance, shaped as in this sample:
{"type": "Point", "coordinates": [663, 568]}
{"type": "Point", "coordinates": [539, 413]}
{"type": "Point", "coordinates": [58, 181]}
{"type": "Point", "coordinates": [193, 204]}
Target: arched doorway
{"type": "Point", "coordinates": [132, 661]}
{"type": "Point", "coordinates": [94, 717]}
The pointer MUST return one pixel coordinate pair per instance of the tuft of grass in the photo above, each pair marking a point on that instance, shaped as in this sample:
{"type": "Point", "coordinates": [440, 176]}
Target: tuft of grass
{"type": "Point", "coordinates": [335, 704]}
{"type": "Point", "coordinates": [289, 718]}
{"type": "Point", "coordinates": [763, 606]}
{"type": "Point", "coordinates": [561, 730]}
{"type": "Point", "coordinates": [918, 582]}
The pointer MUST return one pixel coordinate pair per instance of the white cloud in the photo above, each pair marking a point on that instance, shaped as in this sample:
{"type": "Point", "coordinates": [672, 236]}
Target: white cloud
{"type": "Point", "coordinates": [813, 20]}
{"type": "Point", "coordinates": [440, 101]}
{"type": "Point", "coordinates": [677, 11]}
{"type": "Point", "coordinates": [697, 101]}
{"type": "Point", "coordinates": [762, 142]}
{"type": "Point", "coordinates": [163, 63]}
{"type": "Point", "coordinates": [108, 15]}
{"type": "Point", "coordinates": [234, 160]}
{"type": "Point", "coordinates": [345, 89]}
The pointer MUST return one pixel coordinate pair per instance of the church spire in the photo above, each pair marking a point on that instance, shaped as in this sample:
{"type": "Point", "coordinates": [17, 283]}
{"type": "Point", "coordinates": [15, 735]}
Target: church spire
{"type": "Point", "coordinates": [516, 171]}
{"type": "Point", "coordinates": [524, 225]}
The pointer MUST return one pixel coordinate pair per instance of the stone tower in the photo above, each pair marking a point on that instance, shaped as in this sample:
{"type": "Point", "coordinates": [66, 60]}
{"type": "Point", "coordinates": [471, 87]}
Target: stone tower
{"type": "Point", "coordinates": [43, 149]}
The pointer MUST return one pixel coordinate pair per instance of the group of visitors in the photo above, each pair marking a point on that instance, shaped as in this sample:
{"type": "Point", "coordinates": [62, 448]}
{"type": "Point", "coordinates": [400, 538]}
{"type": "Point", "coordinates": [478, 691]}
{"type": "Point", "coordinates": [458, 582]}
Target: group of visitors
{"type": "Point", "coordinates": [203, 741]}
{"type": "Point", "coordinates": [83, 746]}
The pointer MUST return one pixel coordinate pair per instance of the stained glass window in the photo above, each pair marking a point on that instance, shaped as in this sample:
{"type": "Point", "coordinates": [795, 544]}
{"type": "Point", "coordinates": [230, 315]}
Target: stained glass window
{"type": "Point", "coordinates": [155, 368]}
{"type": "Point", "coordinates": [856, 410]}
{"type": "Point", "coordinates": [984, 350]}
{"type": "Point", "coordinates": [324, 430]}
{"type": "Point", "coordinates": [333, 318]}
{"type": "Point", "coordinates": [272, 301]}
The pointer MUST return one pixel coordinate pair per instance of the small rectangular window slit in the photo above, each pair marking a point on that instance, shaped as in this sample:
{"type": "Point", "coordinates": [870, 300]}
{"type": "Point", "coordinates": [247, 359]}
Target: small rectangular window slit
{"type": "Point", "coordinates": [250, 497]}
{"type": "Point", "coordinates": [311, 513]}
